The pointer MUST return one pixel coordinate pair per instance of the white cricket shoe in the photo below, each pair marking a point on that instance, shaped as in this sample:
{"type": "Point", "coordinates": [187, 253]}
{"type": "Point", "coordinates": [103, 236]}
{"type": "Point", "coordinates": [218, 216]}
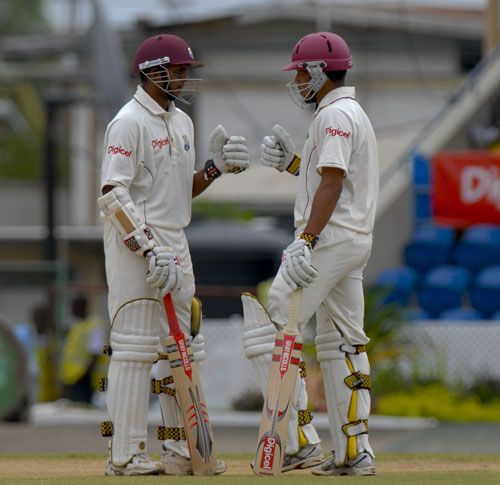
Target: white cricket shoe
{"type": "Point", "coordinates": [307, 457]}
{"type": "Point", "coordinates": [175, 464]}
{"type": "Point", "coordinates": [140, 464]}
{"type": "Point", "coordinates": [363, 464]}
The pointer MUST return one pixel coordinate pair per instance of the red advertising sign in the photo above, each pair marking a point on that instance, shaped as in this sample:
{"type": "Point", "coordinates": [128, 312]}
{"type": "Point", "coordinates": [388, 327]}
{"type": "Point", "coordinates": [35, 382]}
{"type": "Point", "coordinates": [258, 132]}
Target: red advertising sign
{"type": "Point", "coordinates": [466, 188]}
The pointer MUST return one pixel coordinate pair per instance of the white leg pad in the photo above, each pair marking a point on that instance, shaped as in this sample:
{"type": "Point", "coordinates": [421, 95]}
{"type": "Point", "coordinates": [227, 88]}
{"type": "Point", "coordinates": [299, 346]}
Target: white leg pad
{"type": "Point", "coordinates": [258, 341]}
{"type": "Point", "coordinates": [348, 408]}
{"type": "Point", "coordinates": [134, 342]}
{"type": "Point", "coordinates": [170, 412]}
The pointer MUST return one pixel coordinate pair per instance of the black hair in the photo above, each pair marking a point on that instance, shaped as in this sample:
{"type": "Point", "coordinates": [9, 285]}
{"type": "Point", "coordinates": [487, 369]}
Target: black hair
{"type": "Point", "coordinates": [336, 76]}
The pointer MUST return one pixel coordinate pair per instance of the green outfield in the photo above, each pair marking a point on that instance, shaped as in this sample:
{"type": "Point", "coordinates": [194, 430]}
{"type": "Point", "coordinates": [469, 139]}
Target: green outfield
{"type": "Point", "coordinates": [391, 468]}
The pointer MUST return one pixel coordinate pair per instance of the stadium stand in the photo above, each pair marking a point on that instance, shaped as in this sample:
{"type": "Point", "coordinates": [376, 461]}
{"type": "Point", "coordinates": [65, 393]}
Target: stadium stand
{"type": "Point", "coordinates": [431, 246]}
{"type": "Point", "coordinates": [443, 288]}
{"type": "Point", "coordinates": [400, 284]}
{"type": "Point", "coordinates": [479, 247]}
{"type": "Point", "coordinates": [485, 291]}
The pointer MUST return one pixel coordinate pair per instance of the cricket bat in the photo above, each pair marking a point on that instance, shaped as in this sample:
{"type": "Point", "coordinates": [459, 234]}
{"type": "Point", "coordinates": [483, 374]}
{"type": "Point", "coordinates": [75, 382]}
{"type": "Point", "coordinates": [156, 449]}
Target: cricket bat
{"type": "Point", "coordinates": [278, 400]}
{"type": "Point", "coordinates": [190, 396]}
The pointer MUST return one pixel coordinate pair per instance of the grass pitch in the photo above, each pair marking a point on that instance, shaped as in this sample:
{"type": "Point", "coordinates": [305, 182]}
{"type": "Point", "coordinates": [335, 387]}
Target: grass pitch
{"type": "Point", "coordinates": [391, 469]}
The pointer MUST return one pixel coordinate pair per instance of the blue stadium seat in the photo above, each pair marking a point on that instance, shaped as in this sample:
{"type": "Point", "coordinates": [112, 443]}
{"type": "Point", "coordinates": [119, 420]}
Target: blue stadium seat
{"type": "Point", "coordinates": [415, 314]}
{"type": "Point", "coordinates": [443, 288]}
{"type": "Point", "coordinates": [400, 284]}
{"type": "Point", "coordinates": [460, 314]}
{"type": "Point", "coordinates": [479, 247]}
{"type": "Point", "coordinates": [496, 317]}
{"type": "Point", "coordinates": [485, 291]}
{"type": "Point", "coordinates": [431, 246]}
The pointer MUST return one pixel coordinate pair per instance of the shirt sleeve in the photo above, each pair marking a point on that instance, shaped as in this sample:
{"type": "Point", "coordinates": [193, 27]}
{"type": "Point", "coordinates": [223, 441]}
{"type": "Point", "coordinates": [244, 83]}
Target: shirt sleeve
{"type": "Point", "coordinates": [334, 140]}
{"type": "Point", "coordinates": [119, 164]}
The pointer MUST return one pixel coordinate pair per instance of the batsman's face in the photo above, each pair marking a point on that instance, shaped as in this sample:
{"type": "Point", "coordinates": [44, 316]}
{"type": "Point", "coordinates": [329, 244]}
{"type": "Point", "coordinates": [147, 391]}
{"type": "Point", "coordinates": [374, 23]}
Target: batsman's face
{"type": "Point", "coordinates": [302, 79]}
{"type": "Point", "coordinates": [178, 75]}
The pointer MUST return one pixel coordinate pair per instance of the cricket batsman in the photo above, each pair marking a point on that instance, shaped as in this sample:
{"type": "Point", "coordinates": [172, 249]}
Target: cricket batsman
{"type": "Point", "coordinates": [148, 180]}
{"type": "Point", "coordinates": [334, 218]}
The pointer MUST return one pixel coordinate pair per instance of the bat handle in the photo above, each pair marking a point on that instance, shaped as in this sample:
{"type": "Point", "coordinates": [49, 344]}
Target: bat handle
{"type": "Point", "coordinates": [293, 316]}
{"type": "Point", "coordinates": [173, 323]}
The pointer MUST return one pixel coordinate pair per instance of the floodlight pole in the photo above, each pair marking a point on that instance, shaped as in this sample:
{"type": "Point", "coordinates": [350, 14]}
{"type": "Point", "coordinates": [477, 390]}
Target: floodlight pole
{"type": "Point", "coordinates": [50, 176]}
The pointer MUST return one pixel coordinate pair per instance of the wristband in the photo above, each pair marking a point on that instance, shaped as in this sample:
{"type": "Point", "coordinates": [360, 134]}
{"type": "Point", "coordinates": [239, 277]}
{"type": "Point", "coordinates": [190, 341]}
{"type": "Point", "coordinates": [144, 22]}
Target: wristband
{"type": "Point", "coordinates": [211, 172]}
{"type": "Point", "coordinates": [311, 239]}
{"type": "Point", "coordinates": [294, 166]}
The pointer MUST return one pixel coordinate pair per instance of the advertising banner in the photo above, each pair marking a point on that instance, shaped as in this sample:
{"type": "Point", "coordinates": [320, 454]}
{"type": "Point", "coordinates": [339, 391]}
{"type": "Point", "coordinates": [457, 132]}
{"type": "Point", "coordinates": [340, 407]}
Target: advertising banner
{"type": "Point", "coordinates": [466, 188]}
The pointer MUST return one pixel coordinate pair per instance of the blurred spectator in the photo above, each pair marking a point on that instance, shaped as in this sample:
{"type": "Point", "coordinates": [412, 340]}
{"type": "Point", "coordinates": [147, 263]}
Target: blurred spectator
{"type": "Point", "coordinates": [45, 354]}
{"type": "Point", "coordinates": [82, 362]}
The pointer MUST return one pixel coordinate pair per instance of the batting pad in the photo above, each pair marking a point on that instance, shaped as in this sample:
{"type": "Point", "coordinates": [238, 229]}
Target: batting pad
{"type": "Point", "coordinates": [346, 378]}
{"type": "Point", "coordinates": [170, 412]}
{"type": "Point", "coordinates": [258, 341]}
{"type": "Point", "coordinates": [134, 343]}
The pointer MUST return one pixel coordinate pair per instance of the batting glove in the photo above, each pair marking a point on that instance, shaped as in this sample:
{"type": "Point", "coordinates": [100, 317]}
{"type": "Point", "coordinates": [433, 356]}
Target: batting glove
{"type": "Point", "coordinates": [278, 151]}
{"type": "Point", "coordinates": [296, 267]}
{"type": "Point", "coordinates": [164, 271]}
{"type": "Point", "coordinates": [230, 154]}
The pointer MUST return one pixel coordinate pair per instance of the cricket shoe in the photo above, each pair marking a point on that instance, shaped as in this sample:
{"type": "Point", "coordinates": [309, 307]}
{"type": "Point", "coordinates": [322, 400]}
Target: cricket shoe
{"type": "Point", "coordinates": [307, 457]}
{"type": "Point", "coordinates": [140, 464]}
{"type": "Point", "coordinates": [175, 464]}
{"type": "Point", "coordinates": [363, 464]}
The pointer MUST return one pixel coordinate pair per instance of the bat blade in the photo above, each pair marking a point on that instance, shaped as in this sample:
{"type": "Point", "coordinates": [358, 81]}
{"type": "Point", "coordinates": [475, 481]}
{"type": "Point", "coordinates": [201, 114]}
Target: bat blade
{"type": "Point", "coordinates": [193, 407]}
{"type": "Point", "coordinates": [278, 402]}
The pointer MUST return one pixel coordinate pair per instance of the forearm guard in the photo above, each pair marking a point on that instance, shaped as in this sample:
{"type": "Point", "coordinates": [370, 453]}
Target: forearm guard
{"type": "Point", "coordinates": [118, 207]}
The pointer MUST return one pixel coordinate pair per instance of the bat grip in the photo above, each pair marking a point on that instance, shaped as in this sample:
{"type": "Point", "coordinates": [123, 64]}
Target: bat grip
{"type": "Point", "coordinates": [173, 323]}
{"type": "Point", "coordinates": [293, 316]}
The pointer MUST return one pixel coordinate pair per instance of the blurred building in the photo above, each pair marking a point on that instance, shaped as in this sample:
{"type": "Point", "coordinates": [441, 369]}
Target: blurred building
{"type": "Point", "coordinates": [407, 60]}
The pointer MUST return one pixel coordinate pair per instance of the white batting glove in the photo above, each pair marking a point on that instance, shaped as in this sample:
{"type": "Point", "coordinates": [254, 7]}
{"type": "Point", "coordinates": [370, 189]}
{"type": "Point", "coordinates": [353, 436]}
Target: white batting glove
{"type": "Point", "coordinates": [278, 151]}
{"type": "Point", "coordinates": [230, 154]}
{"type": "Point", "coordinates": [164, 271]}
{"type": "Point", "coordinates": [296, 267]}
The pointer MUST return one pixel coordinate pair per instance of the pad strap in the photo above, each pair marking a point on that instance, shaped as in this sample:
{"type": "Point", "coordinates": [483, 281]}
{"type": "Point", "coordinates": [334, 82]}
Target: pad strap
{"type": "Point", "coordinates": [353, 349]}
{"type": "Point", "coordinates": [106, 429]}
{"type": "Point", "coordinates": [102, 384]}
{"type": "Point", "coordinates": [357, 380]}
{"type": "Point", "coordinates": [160, 386]}
{"type": "Point", "coordinates": [305, 416]}
{"type": "Point", "coordinates": [165, 433]}
{"type": "Point", "coordinates": [302, 369]}
{"type": "Point", "coordinates": [355, 428]}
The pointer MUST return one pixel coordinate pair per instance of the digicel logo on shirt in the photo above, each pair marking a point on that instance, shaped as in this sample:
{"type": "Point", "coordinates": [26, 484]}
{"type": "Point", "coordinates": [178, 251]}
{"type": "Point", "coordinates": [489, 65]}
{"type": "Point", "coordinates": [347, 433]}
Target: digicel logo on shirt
{"type": "Point", "coordinates": [338, 132]}
{"type": "Point", "coordinates": [159, 144]}
{"type": "Point", "coordinates": [118, 149]}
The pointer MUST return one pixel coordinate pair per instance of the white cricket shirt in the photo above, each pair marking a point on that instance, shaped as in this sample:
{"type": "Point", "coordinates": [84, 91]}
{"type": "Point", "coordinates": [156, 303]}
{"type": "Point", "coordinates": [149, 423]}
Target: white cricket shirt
{"type": "Point", "coordinates": [341, 136]}
{"type": "Point", "coordinates": [150, 152]}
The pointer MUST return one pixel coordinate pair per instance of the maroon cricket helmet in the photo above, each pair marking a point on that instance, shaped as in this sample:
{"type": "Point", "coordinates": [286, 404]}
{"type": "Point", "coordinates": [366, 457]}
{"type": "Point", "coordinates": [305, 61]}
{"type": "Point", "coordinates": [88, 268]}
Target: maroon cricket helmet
{"type": "Point", "coordinates": [164, 49]}
{"type": "Point", "coordinates": [321, 46]}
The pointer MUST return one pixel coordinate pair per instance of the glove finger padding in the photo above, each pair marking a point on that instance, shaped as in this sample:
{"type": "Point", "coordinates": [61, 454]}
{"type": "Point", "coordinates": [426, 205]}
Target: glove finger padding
{"type": "Point", "coordinates": [174, 279]}
{"type": "Point", "coordinates": [284, 139]}
{"type": "Point", "coordinates": [156, 275]}
{"type": "Point", "coordinates": [286, 276]}
{"type": "Point", "coordinates": [217, 139]}
{"type": "Point", "coordinates": [270, 152]}
{"type": "Point", "coordinates": [297, 274]}
{"type": "Point", "coordinates": [271, 142]}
